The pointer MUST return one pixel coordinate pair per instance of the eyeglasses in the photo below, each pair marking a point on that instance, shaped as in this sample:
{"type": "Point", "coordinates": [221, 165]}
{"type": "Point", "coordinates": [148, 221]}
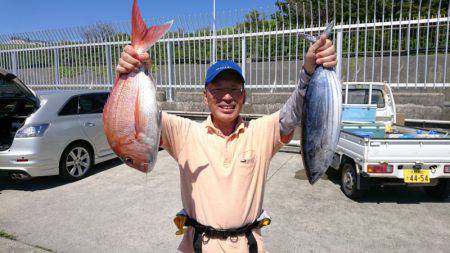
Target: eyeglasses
{"type": "Point", "coordinates": [222, 92]}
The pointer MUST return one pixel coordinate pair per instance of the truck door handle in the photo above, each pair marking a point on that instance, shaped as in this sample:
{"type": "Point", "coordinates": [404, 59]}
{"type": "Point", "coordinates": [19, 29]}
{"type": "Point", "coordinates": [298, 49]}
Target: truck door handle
{"type": "Point", "coordinates": [89, 124]}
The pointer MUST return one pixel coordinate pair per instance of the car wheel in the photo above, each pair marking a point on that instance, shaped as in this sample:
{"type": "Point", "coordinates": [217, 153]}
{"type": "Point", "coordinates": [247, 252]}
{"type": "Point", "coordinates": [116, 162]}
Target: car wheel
{"type": "Point", "coordinates": [76, 161]}
{"type": "Point", "coordinates": [441, 191]}
{"type": "Point", "coordinates": [349, 181]}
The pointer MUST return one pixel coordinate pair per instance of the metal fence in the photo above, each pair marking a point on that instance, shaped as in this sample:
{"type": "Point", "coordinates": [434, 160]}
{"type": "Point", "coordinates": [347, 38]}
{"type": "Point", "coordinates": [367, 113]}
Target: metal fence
{"type": "Point", "coordinates": [404, 43]}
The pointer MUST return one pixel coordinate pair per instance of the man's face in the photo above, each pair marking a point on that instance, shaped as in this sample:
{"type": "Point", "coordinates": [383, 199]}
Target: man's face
{"type": "Point", "coordinates": [225, 99]}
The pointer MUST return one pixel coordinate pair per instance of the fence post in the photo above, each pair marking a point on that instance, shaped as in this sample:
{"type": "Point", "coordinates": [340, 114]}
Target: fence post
{"type": "Point", "coordinates": [14, 63]}
{"type": "Point", "coordinates": [339, 54]}
{"type": "Point", "coordinates": [214, 50]}
{"type": "Point", "coordinates": [56, 60]}
{"type": "Point", "coordinates": [169, 93]}
{"type": "Point", "coordinates": [108, 65]}
{"type": "Point", "coordinates": [244, 56]}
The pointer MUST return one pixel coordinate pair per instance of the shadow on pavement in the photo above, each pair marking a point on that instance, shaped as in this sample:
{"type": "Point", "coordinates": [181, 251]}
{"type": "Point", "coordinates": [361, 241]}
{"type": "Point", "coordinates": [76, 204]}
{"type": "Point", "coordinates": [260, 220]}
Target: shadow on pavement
{"type": "Point", "coordinates": [43, 183]}
{"type": "Point", "coordinates": [399, 195]}
{"type": "Point", "coordinates": [387, 194]}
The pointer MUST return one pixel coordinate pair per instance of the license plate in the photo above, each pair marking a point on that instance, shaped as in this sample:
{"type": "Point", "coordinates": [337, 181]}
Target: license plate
{"type": "Point", "coordinates": [416, 176]}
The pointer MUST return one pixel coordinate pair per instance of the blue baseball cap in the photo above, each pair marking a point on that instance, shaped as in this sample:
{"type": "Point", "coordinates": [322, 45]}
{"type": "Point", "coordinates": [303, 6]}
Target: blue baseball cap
{"type": "Point", "coordinates": [220, 66]}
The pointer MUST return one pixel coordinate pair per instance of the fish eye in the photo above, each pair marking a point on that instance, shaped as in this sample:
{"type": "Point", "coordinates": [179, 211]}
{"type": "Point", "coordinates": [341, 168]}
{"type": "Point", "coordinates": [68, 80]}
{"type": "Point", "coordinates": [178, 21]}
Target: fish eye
{"type": "Point", "coordinates": [128, 160]}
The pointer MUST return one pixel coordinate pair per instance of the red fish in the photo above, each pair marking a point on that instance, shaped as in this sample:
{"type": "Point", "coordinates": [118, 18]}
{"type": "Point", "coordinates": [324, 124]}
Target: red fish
{"type": "Point", "coordinates": [131, 117]}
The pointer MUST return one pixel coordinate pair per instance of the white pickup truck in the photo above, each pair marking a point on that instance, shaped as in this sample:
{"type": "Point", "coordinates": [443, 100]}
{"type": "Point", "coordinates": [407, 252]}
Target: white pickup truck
{"type": "Point", "coordinates": [374, 151]}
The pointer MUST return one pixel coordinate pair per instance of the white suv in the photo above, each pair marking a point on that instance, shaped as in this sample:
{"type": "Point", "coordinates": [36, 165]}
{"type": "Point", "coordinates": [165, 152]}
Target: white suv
{"type": "Point", "coordinates": [51, 133]}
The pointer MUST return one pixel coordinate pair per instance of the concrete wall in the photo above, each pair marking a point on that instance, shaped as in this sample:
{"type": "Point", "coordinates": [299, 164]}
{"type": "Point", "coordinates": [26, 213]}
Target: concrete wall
{"type": "Point", "coordinates": [422, 103]}
{"type": "Point", "coordinates": [402, 73]}
{"type": "Point", "coordinates": [412, 103]}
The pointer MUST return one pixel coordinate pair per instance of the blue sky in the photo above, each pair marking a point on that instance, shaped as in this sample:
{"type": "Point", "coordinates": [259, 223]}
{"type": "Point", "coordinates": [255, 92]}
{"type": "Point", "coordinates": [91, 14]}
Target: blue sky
{"type": "Point", "coordinates": [31, 15]}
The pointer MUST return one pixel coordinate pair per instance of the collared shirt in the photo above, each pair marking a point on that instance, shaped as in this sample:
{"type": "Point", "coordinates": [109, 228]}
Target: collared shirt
{"type": "Point", "coordinates": [222, 178]}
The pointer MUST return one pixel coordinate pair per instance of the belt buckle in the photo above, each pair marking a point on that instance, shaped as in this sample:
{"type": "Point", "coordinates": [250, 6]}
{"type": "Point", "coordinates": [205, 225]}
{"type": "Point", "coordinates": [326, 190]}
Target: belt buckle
{"type": "Point", "coordinates": [180, 221]}
{"type": "Point", "coordinates": [264, 222]}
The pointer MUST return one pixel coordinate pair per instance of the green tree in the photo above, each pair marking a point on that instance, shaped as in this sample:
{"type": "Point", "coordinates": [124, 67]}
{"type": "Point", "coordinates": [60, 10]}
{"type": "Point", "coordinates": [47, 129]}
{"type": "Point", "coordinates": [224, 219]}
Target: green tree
{"type": "Point", "coordinates": [314, 12]}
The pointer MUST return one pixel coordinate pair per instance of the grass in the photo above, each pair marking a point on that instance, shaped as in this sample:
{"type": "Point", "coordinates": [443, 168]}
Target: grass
{"type": "Point", "coordinates": [6, 235]}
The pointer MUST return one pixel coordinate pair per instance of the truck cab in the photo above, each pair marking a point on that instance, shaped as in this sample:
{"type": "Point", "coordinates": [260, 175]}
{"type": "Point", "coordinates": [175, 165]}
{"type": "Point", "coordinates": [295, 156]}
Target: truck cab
{"type": "Point", "coordinates": [369, 95]}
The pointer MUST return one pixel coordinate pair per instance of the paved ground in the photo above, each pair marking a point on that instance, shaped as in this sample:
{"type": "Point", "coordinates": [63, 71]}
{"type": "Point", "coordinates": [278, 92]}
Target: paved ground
{"type": "Point", "coordinates": [117, 209]}
{"type": "Point", "coordinates": [7, 245]}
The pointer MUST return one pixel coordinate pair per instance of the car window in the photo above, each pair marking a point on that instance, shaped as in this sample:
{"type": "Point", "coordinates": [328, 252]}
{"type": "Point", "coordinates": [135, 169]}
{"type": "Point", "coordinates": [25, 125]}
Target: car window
{"type": "Point", "coordinates": [70, 108]}
{"type": "Point", "coordinates": [377, 98]}
{"type": "Point", "coordinates": [361, 96]}
{"type": "Point", "coordinates": [9, 89]}
{"type": "Point", "coordinates": [355, 96]}
{"type": "Point", "coordinates": [15, 106]}
{"type": "Point", "coordinates": [92, 103]}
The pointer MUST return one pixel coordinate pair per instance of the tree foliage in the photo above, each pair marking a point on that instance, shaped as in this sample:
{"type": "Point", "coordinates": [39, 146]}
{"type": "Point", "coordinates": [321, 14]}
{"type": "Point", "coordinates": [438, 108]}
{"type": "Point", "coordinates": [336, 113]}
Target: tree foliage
{"type": "Point", "coordinates": [98, 33]}
{"type": "Point", "coordinates": [314, 12]}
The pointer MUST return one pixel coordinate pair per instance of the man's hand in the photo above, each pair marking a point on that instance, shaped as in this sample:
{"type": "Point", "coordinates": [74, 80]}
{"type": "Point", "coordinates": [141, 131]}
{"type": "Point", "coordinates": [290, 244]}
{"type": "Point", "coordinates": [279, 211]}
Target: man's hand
{"type": "Point", "coordinates": [131, 61]}
{"type": "Point", "coordinates": [320, 53]}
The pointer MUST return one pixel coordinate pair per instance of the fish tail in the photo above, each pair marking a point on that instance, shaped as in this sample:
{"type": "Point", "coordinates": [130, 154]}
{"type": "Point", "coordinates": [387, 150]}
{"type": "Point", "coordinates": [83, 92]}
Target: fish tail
{"type": "Point", "coordinates": [328, 29]}
{"type": "Point", "coordinates": [143, 38]}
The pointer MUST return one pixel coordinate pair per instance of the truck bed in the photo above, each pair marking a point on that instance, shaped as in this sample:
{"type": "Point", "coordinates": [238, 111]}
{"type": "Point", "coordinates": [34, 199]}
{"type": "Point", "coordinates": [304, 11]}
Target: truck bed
{"type": "Point", "coordinates": [404, 145]}
{"type": "Point", "coordinates": [378, 132]}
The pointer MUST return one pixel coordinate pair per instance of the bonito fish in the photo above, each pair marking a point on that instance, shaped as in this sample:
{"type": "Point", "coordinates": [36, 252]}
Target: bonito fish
{"type": "Point", "coordinates": [131, 117]}
{"type": "Point", "coordinates": [321, 118]}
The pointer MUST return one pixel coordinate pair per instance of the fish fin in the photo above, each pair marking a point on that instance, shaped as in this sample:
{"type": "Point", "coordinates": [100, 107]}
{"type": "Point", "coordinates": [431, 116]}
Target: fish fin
{"type": "Point", "coordinates": [142, 37]}
{"type": "Point", "coordinates": [139, 122]}
{"type": "Point", "coordinates": [328, 29]}
{"type": "Point", "coordinates": [308, 37]}
{"type": "Point", "coordinates": [158, 118]}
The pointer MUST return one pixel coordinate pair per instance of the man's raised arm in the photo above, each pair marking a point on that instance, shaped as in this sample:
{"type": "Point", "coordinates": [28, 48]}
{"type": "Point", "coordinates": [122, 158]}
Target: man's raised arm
{"type": "Point", "coordinates": [320, 53]}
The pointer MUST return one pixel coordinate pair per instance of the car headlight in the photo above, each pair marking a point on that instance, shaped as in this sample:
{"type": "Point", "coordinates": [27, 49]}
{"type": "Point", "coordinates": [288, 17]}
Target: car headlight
{"type": "Point", "coordinates": [32, 131]}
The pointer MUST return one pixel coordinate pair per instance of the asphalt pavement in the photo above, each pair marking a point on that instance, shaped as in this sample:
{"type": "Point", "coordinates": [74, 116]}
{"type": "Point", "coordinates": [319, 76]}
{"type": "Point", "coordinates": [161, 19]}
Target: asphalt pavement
{"type": "Point", "coordinates": [118, 209]}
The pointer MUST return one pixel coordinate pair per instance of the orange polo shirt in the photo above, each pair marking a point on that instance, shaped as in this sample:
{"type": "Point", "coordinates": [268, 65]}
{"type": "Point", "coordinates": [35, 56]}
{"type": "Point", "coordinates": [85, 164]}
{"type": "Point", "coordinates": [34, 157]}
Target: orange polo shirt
{"type": "Point", "coordinates": [222, 178]}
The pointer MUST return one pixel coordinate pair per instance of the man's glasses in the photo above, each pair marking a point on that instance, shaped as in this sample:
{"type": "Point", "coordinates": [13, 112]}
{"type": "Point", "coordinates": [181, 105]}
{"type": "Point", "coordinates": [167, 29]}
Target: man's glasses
{"type": "Point", "coordinates": [222, 92]}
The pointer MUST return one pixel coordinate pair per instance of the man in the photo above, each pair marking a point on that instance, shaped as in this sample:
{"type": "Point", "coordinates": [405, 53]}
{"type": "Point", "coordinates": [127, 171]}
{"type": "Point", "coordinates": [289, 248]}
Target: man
{"type": "Point", "coordinates": [224, 160]}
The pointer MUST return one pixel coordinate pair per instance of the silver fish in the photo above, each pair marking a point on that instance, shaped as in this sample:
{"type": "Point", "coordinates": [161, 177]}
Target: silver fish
{"type": "Point", "coordinates": [321, 122]}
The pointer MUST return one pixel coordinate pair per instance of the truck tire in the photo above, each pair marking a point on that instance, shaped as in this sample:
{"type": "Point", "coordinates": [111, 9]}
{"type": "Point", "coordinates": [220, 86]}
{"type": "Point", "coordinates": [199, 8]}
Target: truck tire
{"type": "Point", "coordinates": [349, 185]}
{"type": "Point", "coordinates": [441, 191]}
